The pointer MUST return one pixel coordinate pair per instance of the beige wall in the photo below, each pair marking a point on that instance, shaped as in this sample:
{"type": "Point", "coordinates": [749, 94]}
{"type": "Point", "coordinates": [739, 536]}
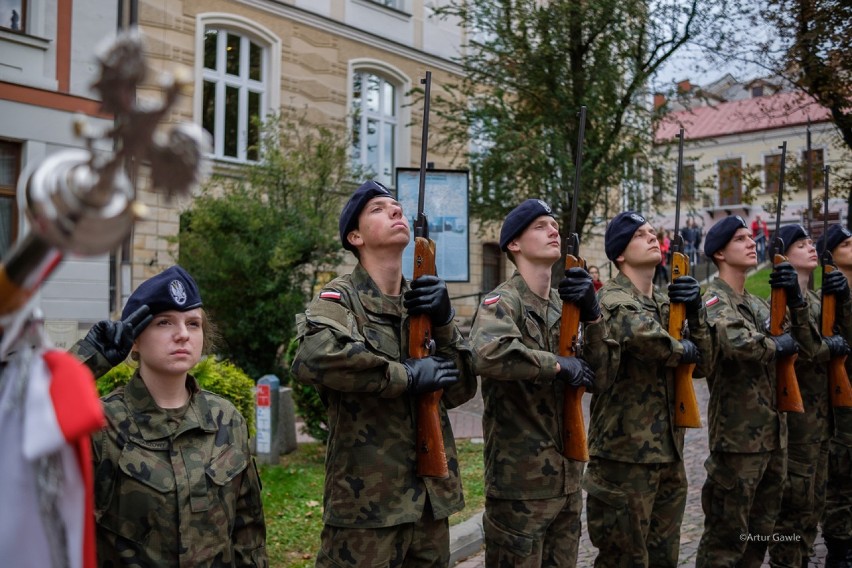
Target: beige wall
{"type": "Point", "coordinates": [752, 149]}
{"type": "Point", "coordinates": [314, 75]}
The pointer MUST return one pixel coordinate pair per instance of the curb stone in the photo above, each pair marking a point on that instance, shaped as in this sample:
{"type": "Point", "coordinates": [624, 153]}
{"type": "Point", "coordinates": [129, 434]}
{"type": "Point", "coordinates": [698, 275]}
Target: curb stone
{"type": "Point", "coordinates": [466, 539]}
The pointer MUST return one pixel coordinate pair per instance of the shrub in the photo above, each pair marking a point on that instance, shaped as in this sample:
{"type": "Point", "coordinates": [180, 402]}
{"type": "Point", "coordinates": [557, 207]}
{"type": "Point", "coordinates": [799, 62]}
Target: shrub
{"type": "Point", "coordinates": [307, 400]}
{"type": "Point", "coordinates": [219, 377]}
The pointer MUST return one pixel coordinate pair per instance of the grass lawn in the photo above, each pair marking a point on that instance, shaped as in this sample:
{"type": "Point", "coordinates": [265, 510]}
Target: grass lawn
{"type": "Point", "coordinates": [758, 283]}
{"type": "Point", "coordinates": [292, 500]}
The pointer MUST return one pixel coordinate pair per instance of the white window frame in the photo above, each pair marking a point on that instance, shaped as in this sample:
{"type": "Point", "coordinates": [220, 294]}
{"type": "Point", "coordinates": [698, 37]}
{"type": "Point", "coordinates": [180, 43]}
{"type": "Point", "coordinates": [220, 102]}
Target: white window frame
{"type": "Point", "coordinates": [400, 121]}
{"type": "Point", "coordinates": [270, 95]}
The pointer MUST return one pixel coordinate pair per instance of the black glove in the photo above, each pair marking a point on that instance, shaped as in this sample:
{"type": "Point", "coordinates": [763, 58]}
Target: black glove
{"type": "Point", "coordinates": [837, 345]}
{"type": "Point", "coordinates": [428, 295]}
{"type": "Point", "coordinates": [685, 290]}
{"type": "Point", "coordinates": [430, 374]}
{"type": "Point", "coordinates": [785, 345]}
{"type": "Point", "coordinates": [575, 372]}
{"type": "Point", "coordinates": [785, 276]}
{"type": "Point", "coordinates": [690, 352]}
{"type": "Point", "coordinates": [578, 288]}
{"type": "Point", "coordinates": [835, 284]}
{"type": "Point", "coordinates": [113, 339]}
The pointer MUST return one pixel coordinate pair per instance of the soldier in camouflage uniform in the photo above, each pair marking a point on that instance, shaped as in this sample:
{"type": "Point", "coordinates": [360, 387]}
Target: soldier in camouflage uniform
{"type": "Point", "coordinates": [837, 515]}
{"type": "Point", "coordinates": [533, 499]}
{"type": "Point", "coordinates": [636, 481]}
{"type": "Point", "coordinates": [807, 432]}
{"type": "Point", "coordinates": [353, 347]}
{"type": "Point", "coordinates": [175, 483]}
{"type": "Point", "coordinates": [748, 434]}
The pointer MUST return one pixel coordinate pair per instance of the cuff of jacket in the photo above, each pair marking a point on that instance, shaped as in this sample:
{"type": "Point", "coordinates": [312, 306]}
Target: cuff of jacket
{"type": "Point", "coordinates": [397, 380]}
{"type": "Point", "coordinates": [547, 370]}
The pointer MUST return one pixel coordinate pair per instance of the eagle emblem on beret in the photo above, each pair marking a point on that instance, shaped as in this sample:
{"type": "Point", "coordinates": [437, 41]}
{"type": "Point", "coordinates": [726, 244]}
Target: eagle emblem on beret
{"type": "Point", "coordinates": [178, 292]}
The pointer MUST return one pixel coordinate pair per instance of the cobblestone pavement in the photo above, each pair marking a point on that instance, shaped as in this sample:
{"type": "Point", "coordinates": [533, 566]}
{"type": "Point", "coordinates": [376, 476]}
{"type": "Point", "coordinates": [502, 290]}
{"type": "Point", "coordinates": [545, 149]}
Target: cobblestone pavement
{"type": "Point", "coordinates": [466, 424]}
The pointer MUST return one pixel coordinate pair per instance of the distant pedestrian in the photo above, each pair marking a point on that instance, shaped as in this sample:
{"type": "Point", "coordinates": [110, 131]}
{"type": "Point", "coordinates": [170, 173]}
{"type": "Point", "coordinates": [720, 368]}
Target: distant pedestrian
{"type": "Point", "coordinates": [533, 500]}
{"type": "Point", "coordinates": [636, 480]}
{"type": "Point", "coordinates": [760, 235]}
{"type": "Point", "coordinates": [595, 273]}
{"type": "Point", "coordinates": [691, 234]}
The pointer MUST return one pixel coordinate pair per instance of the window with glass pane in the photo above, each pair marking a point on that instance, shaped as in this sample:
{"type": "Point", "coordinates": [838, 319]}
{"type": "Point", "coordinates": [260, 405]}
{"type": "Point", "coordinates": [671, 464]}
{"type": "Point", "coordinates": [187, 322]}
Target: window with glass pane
{"type": "Point", "coordinates": [10, 163]}
{"type": "Point", "coordinates": [389, 3]}
{"type": "Point", "coordinates": [374, 122]}
{"type": "Point", "coordinates": [817, 164]}
{"type": "Point", "coordinates": [772, 172]}
{"type": "Point", "coordinates": [730, 181]}
{"type": "Point", "coordinates": [13, 15]}
{"type": "Point", "coordinates": [233, 93]}
{"type": "Point", "coordinates": [688, 181]}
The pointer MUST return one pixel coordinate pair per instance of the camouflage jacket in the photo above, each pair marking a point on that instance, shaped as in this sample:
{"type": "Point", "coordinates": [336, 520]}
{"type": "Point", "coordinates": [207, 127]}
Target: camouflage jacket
{"type": "Point", "coordinates": [842, 417]}
{"type": "Point", "coordinates": [173, 493]}
{"type": "Point", "coordinates": [514, 337]}
{"type": "Point", "coordinates": [812, 426]}
{"type": "Point", "coordinates": [632, 410]}
{"type": "Point", "coordinates": [352, 341]}
{"type": "Point", "coordinates": [742, 414]}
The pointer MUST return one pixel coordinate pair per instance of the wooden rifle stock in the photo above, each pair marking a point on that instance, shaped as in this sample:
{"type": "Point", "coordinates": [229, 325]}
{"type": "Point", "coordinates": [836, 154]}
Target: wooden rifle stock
{"type": "Point", "coordinates": [687, 414]}
{"type": "Point", "coordinates": [838, 379]}
{"type": "Point", "coordinates": [789, 397]}
{"type": "Point", "coordinates": [574, 442]}
{"type": "Point", "coordinates": [431, 456]}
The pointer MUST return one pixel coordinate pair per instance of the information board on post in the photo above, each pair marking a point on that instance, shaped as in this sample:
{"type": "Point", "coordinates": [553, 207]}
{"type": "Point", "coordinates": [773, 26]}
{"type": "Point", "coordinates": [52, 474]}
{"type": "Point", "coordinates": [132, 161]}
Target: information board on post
{"type": "Point", "coordinates": [264, 419]}
{"type": "Point", "coordinates": [446, 207]}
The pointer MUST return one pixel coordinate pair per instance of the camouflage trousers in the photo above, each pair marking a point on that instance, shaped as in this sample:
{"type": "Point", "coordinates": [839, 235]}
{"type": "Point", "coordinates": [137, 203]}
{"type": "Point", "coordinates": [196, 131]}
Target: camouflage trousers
{"type": "Point", "coordinates": [741, 499]}
{"type": "Point", "coordinates": [634, 512]}
{"type": "Point", "coordinates": [801, 505]}
{"type": "Point", "coordinates": [532, 533]}
{"type": "Point", "coordinates": [837, 517]}
{"type": "Point", "coordinates": [425, 543]}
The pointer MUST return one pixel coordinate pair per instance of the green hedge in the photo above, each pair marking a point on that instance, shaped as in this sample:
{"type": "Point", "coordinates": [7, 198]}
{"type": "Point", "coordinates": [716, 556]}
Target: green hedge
{"type": "Point", "coordinates": [220, 377]}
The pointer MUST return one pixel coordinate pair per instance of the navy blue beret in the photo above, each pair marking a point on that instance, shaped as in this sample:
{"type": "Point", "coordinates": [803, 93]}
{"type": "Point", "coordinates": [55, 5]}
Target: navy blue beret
{"type": "Point", "coordinates": [349, 215]}
{"type": "Point", "coordinates": [721, 233]}
{"type": "Point", "coordinates": [171, 289]}
{"type": "Point", "coordinates": [789, 234]}
{"type": "Point", "coordinates": [619, 232]}
{"type": "Point", "coordinates": [836, 234]}
{"type": "Point", "coordinates": [520, 218]}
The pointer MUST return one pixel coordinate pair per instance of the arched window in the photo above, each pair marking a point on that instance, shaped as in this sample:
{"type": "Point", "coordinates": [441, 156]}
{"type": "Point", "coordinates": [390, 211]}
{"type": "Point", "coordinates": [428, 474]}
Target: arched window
{"type": "Point", "coordinates": [375, 124]}
{"type": "Point", "coordinates": [238, 66]}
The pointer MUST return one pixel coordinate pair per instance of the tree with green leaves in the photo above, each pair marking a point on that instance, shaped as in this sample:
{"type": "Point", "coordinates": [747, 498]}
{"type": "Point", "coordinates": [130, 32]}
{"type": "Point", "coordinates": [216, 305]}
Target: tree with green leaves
{"type": "Point", "coordinates": [259, 236]}
{"type": "Point", "coordinates": [528, 67]}
{"type": "Point", "coordinates": [805, 43]}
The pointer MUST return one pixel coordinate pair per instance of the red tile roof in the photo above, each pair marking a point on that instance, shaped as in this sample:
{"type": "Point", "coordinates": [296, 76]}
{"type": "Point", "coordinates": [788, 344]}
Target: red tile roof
{"type": "Point", "coordinates": [748, 115]}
